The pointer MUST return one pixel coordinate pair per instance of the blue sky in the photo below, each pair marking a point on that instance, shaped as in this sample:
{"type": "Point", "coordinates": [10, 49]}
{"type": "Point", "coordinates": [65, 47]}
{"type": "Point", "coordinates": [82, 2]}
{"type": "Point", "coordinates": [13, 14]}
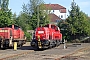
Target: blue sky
{"type": "Point", "coordinates": [84, 5]}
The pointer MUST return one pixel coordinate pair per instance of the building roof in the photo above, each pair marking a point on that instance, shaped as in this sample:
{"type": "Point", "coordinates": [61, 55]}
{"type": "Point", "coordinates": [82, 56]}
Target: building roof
{"type": "Point", "coordinates": [53, 17]}
{"type": "Point", "coordinates": [55, 7]}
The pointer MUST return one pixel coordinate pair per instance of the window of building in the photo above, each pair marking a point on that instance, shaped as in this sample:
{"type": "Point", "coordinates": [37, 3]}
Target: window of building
{"type": "Point", "coordinates": [53, 10]}
{"type": "Point", "coordinates": [61, 16]}
{"type": "Point", "coordinates": [57, 21]}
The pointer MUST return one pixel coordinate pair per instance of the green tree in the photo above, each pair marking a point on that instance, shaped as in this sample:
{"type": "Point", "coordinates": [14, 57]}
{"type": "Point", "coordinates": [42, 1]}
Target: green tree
{"type": "Point", "coordinates": [5, 18]}
{"type": "Point", "coordinates": [14, 19]}
{"type": "Point", "coordinates": [22, 21]}
{"type": "Point", "coordinates": [4, 4]}
{"type": "Point", "coordinates": [5, 13]}
{"type": "Point", "coordinates": [77, 23]}
{"type": "Point", "coordinates": [37, 16]}
{"type": "Point", "coordinates": [63, 25]}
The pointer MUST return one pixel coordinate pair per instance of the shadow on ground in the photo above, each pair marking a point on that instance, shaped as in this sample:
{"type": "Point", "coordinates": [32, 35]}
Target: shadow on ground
{"type": "Point", "coordinates": [26, 48]}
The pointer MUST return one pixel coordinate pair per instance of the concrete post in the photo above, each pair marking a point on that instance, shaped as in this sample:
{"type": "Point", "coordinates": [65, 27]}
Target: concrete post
{"type": "Point", "coordinates": [64, 44]}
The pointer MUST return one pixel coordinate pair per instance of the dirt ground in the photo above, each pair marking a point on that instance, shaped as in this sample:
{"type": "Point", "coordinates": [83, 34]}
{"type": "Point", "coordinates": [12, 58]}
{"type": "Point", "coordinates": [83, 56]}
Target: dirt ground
{"type": "Point", "coordinates": [82, 54]}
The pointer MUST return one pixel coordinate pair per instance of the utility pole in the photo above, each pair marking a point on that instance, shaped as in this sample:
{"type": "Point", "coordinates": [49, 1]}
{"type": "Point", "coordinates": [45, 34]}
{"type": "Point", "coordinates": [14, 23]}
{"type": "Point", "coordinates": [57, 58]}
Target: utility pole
{"type": "Point", "coordinates": [38, 16]}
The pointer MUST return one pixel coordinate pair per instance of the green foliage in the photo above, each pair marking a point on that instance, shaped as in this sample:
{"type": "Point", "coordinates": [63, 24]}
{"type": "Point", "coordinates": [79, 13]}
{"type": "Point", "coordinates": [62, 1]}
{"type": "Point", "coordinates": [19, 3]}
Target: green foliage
{"type": "Point", "coordinates": [64, 27]}
{"type": "Point", "coordinates": [4, 4]}
{"type": "Point", "coordinates": [76, 25]}
{"type": "Point", "coordinates": [14, 19]}
{"type": "Point", "coordinates": [22, 21]}
{"type": "Point", "coordinates": [28, 35]}
{"type": "Point", "coordinates": [38, 15]}
{"type": "Point", "coordinates": [5, 14]}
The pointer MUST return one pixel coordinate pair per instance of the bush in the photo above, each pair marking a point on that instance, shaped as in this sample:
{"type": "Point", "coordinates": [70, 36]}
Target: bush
{"type": "Point", "coordinates": [29, 36]}
{"type": "Point", "coordinates": [75, 41]}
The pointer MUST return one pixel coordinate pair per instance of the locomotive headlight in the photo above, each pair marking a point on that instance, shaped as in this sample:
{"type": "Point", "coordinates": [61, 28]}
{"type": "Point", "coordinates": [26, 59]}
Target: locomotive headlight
{"type": "Point", "coordinates": [3, 30]}
{"type": "Point", "coordinates": [38, 36]}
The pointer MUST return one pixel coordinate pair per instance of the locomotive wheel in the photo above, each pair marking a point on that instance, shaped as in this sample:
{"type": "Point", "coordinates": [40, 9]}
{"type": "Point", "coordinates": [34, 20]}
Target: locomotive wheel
{"type": "Point", "coordinates": [20, 43]}
{"type": "Point", "coordinates": [54, 43]}
{"type": "Point", "coordinates": [58, 43]}
{"type": "Point", "coordinates": [51, 45]}
{"type": "Point", "coordinates": [0, 44]}
{"type": "Point", "coordinates": [5, 44]}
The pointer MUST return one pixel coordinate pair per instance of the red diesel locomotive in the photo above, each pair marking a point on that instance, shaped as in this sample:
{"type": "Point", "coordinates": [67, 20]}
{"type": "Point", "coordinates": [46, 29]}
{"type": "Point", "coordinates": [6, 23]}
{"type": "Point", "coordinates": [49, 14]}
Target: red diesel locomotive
{"type": "Point", "coordinates": [47, 36]}
{"type": "Point", "coordinates": [11, 34]}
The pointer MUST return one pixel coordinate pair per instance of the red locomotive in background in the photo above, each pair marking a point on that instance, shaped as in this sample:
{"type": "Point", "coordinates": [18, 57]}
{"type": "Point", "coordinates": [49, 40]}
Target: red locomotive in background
{"type": "Point", "coordinates": [47, 36]}
{"type": "Point", "coordinates": [11, 34]}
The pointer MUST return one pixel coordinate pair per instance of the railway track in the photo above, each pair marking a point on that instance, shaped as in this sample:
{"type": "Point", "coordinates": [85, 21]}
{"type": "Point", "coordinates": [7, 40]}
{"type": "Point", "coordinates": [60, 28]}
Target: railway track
{"type": "Point", "coordinates": [10, 53]}
{"type": "Point", "coordinates": [16, 55]}
{"type": "Point", "coordinates": [47, 55]}
{"type": "Point", "coordinates": [77, 55]}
